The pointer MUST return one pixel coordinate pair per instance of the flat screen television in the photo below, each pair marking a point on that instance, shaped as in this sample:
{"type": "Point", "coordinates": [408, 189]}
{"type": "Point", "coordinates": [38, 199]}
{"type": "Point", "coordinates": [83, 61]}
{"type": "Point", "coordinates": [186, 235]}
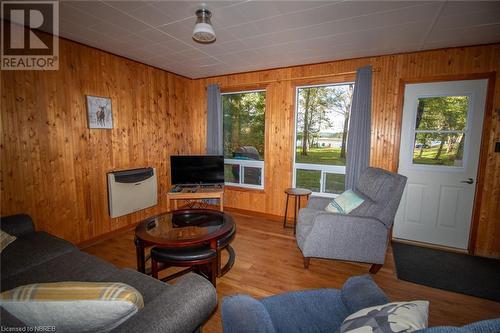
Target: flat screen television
{"type": "Point", "coordinates": [197, 169]}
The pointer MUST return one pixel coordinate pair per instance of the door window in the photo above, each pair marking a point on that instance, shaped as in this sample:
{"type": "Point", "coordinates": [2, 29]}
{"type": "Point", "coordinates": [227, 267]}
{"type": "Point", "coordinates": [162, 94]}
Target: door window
{"type": "Point", "coordinates": [440, 130]}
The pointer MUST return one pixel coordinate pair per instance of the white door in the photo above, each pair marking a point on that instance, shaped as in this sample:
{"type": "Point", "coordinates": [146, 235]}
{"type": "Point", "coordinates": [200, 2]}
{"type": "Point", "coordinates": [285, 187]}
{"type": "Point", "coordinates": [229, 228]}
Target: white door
{"type": "Point", "coordinates": [439, 153]}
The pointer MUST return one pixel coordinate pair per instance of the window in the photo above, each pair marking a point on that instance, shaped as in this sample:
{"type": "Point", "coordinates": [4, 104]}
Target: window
{"type": "Point", "coordinates": [321, 124]}
{"type": "Point", "coordinates": [440, 127]}
{"type": "Point", "coordinates": [244, 124]}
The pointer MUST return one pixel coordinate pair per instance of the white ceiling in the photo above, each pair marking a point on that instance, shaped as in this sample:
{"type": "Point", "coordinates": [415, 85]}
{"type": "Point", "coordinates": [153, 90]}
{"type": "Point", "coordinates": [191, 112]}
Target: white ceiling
{"type": "Point", "coordinates": [253, 35]}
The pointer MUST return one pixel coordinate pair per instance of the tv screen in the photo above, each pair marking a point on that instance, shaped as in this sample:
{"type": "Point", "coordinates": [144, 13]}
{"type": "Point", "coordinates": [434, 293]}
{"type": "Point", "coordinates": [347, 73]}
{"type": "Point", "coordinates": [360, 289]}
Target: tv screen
{"type": "Point", "coordinates": [193, 169]}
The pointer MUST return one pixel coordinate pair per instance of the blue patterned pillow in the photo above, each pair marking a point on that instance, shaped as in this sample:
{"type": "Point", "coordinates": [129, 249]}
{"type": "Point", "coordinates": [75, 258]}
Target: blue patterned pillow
{"type": "Point", "coordinates": [344, 203]}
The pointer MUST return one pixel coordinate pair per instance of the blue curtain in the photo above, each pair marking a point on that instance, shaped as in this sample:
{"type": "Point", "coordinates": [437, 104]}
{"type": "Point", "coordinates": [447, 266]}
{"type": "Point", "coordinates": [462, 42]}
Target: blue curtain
{"type": "Point", "coordinates": [358, 144]}
{"type": "Point", "coordinates": [214, 121]}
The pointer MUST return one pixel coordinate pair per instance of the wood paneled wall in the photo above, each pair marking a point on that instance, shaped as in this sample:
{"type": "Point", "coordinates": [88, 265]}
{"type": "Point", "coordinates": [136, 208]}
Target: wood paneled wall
{"type": "Point", "coordinates": [54, 167]}
{"type": "Point", "coordinates": [391, 70]}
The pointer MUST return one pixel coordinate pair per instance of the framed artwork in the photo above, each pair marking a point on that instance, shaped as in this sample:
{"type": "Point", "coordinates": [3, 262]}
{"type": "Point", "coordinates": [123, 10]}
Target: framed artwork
{"type": "Point", "coordinates": [99, 112]}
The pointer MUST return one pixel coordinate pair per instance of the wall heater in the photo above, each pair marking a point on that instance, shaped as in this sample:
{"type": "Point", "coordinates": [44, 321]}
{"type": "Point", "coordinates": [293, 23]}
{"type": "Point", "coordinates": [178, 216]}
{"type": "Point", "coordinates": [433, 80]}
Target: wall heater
{"type": "Point", "coordinates": [131, 190]}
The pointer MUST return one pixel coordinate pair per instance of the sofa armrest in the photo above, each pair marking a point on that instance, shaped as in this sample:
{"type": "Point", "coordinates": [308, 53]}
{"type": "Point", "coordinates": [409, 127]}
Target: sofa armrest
{"type": "Point", "coordinates": [17, 225]}
{"type": "Point", "coordinates": [182, 308]}
{"type": "Point", "coordinates": [319, 203]}
{"type": "Point", "coordinates": [360, 292]}
{"type": "Point", "coordinates": [244, 314]}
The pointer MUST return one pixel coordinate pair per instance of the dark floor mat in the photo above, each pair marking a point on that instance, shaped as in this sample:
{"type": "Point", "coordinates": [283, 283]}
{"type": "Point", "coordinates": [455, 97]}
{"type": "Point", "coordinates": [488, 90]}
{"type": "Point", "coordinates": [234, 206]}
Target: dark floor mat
{"type": "Point", "coordinates": [456, 272]}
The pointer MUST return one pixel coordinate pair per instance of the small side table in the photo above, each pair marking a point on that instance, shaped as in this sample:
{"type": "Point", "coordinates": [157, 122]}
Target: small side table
{"type": "Point", "coordinates": [297, 193]}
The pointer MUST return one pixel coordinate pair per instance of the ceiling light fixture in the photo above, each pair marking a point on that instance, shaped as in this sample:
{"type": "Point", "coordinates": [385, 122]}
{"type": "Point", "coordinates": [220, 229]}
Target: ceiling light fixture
{"type": "Point", "coordinates": [203, 31]}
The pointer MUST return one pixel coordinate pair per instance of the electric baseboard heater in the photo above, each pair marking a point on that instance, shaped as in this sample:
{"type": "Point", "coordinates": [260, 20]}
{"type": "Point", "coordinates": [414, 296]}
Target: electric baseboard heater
{"type": "Point", "coordinates": [131, 190]}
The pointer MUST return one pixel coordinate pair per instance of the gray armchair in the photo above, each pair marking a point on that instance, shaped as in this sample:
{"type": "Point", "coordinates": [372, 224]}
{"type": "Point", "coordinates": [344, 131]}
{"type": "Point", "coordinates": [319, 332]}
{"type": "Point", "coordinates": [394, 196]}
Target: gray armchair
{"type": "Point", "coordinates": [361, 235]}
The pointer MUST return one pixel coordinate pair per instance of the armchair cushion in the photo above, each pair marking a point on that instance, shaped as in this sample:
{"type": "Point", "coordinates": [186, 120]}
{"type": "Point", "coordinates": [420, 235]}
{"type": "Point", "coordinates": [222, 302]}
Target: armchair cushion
{"type": "Point", "coordinates": [384, 189]}
{"type": "Point", "coordinates": [319, 203]}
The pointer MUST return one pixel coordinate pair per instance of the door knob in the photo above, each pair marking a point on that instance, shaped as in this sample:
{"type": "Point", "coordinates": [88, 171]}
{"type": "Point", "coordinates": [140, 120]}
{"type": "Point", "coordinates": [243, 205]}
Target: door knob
{"type": "Point", "coordinates": [468, 181]}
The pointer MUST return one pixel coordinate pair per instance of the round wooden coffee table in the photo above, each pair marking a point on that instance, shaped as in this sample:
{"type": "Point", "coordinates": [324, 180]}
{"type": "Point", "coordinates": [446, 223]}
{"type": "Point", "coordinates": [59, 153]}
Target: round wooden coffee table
{"type": "Point", "coordinates": [181, 228]}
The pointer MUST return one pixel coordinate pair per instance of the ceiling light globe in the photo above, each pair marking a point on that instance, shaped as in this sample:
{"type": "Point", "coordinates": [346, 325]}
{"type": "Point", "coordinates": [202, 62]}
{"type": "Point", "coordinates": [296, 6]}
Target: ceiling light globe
{"type": "Point", "coordinates": [203, 33]}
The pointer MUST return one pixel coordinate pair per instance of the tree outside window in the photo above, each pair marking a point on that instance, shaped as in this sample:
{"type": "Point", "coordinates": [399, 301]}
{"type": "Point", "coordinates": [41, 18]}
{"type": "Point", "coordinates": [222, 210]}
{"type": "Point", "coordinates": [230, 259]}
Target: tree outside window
{"type": "Point", "coordinates": [243, 134]}
{"type": "Point", "coordinates": [440, 127]}
{"type": "Point", "coordinates": [323, 114]}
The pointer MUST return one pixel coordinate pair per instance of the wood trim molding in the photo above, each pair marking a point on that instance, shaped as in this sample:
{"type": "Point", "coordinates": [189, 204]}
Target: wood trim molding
{"type": "Point", "coordinates": [429, 246]}
{"type": "Point", "coordinates": [243, 87]}
{"type": "Point", "coordinates": [271, 217]}
{"type": "Point", "coordinates": [325, 79]}
{"type": "Point", "coordinates": [108, 235]}
{"type": "Point", "coordinates": [483, 157]}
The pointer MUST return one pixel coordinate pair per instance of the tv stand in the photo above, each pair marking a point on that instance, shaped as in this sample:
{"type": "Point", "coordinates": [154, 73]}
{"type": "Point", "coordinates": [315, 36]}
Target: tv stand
{"type": "Point", "coordinates": [193, 195]}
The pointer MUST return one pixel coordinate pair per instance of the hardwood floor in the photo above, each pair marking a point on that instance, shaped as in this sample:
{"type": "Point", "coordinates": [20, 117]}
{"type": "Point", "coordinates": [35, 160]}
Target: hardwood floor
{"type": "Point", "coordinates": [269, 262]}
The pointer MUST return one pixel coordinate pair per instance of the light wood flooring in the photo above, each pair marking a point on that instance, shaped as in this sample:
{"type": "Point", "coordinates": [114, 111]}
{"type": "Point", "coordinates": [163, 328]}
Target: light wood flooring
{"type": "Point", "coordinates": [269, 262]}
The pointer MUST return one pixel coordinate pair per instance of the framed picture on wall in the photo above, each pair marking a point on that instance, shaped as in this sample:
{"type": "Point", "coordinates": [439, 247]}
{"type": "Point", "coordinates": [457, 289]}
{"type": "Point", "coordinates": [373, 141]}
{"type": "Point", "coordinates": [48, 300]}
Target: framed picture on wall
{"type": "Point", "coordinates": [99, 112]}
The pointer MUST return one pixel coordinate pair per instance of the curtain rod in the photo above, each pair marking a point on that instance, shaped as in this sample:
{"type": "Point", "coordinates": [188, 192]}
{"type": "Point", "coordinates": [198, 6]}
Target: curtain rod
{"type": "Point", "coordinates": [375, 70]}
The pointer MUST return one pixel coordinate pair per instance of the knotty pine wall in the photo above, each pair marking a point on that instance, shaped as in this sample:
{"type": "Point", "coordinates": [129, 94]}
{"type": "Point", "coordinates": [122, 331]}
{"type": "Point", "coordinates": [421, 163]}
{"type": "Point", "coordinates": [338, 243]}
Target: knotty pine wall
{"type": "Point", "coordinates": [54, 167]}
{"type": "Point", "coordinates": [386, 119]}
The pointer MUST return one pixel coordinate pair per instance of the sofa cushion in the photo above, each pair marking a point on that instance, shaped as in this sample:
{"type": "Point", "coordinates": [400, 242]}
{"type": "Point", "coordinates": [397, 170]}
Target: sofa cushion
{"type": "Point", "coordinates": [71, 266]}
{"type": "Point", "coordinates": [30, 250]}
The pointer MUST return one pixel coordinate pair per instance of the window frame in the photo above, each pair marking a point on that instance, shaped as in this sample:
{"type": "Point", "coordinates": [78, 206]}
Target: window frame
{"type": "Point", "coordinates": [323, 168]}
{"type": "Point", "coordinates": [260, 164]}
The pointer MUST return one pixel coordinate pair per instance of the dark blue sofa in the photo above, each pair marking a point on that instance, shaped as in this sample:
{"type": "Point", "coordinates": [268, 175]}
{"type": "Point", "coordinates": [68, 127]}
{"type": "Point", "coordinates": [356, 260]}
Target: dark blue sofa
{"type": "Point", "coordinates": [320, 310]}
